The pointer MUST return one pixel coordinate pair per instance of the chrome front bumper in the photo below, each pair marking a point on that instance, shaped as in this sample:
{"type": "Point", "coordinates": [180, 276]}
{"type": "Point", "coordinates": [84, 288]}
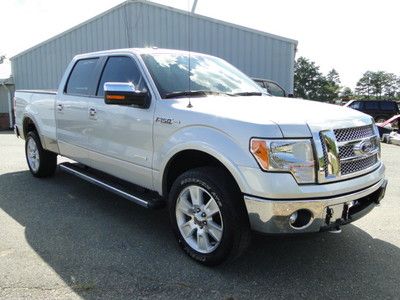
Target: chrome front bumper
{"type": "Point", "coordinates": [272, 216]}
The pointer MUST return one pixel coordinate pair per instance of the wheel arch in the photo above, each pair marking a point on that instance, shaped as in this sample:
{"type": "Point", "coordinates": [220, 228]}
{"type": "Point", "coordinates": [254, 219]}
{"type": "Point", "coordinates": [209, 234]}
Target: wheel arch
{"type": "Point", "coordinates": [187, 159]}
{"type": "Point", "coordinates": [29, 124]}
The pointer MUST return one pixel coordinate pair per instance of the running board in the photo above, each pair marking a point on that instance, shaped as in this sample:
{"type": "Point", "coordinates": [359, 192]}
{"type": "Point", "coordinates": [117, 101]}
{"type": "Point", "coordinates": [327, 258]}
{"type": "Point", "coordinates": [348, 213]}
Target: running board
{"type": "Point", "coordinates": [114, 185]}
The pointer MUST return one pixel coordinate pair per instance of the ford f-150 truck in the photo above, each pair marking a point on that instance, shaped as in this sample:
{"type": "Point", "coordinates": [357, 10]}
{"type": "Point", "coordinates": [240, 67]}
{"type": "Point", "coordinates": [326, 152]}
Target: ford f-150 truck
{"type": "Point", "coordinates": [189, 130]}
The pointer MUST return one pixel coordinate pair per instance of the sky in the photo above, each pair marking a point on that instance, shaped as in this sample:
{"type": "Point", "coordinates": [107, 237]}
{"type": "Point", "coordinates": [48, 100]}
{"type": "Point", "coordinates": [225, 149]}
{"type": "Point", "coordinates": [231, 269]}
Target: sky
{"type": "Point", "coordinates": [352, 36]}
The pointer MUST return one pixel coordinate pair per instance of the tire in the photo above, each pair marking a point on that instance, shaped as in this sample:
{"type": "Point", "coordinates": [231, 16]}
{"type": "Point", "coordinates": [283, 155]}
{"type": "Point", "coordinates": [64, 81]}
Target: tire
{"type": "Point", "coordinates": [226, 233]}
{"type": "Point", "coordinates": [41, 163]}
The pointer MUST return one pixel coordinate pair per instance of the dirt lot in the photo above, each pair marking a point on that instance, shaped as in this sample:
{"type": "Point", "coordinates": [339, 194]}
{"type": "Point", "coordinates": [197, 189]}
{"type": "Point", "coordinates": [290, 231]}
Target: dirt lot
{"type": "Point", "coordinates": [64, 238]}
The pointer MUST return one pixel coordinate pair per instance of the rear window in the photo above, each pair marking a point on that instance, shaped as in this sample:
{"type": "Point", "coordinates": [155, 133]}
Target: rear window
{"type": "Point", "coordinates": [369, 105]}
{"type": "Point", "coordinates": [386, 105]}
{"type": "Point", "coordinates": [81, 81]}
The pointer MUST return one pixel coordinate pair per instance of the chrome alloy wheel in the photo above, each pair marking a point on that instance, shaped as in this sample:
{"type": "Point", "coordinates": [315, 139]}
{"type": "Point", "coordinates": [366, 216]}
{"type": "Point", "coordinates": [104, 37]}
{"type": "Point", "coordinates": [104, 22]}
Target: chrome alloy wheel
{"type": "Point", "coordinates": [33, 155]}
{"type": "Point", "coordinates": [199, 219]}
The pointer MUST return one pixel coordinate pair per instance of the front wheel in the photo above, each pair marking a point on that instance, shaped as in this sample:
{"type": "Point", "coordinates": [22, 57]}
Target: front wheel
{"type": "Point", "coordinates": [41, 163]}
{"type": "Point", "coordinates": [208, 216]}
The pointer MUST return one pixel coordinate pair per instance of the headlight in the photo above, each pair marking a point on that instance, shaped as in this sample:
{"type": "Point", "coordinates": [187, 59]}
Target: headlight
{"type": "Point", "coordinates": [293, 156]}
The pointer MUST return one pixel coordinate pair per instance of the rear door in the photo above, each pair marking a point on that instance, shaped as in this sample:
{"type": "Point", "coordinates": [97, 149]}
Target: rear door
{"type": "Point", "coordinates": [121, 137]}
{"type": "Point", "coordinates": [72, 109]}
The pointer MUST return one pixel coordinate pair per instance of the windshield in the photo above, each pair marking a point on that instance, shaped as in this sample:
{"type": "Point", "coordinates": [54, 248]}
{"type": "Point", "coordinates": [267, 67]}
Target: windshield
{"type": "Point", "coordinates": [208, 75]}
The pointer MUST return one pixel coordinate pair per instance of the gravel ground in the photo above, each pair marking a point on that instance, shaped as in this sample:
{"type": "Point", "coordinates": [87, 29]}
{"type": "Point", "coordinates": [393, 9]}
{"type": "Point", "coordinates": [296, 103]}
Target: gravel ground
{"type": "Point", "coordinates": [63, 238]}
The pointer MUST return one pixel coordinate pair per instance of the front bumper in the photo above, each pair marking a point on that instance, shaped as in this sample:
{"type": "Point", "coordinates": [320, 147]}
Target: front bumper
{"type": "Point", "coordinates": [272, 216]}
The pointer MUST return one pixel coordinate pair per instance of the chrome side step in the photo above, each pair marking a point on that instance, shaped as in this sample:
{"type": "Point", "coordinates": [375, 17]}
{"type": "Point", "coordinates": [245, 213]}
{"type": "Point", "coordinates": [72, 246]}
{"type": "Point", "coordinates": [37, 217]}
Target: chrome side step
{"type": "Point", "coordinates": [113, 185]}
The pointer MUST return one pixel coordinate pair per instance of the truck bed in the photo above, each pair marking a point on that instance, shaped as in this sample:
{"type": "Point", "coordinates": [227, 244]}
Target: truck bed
{"type": "Point", "coordinates": [39, 106]}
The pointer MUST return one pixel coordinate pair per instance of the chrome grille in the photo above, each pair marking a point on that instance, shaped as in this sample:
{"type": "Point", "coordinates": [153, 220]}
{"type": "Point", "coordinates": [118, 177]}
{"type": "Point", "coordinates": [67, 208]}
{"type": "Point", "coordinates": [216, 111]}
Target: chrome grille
{"type": "Point", "coordinates": [355, 133]}
{"type": "Point", "coordinates": [347, 152]}
{"type": "Point", "coordinates": [358, 165]}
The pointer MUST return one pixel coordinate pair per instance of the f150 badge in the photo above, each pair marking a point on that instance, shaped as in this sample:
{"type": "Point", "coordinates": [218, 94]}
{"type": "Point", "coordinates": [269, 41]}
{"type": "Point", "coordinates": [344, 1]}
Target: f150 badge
{"type": "Point", "coordinates": [167, 121]}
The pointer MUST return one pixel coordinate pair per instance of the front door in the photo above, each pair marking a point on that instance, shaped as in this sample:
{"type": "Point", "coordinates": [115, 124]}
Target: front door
{"type": "Point", "coordinates": [120, 137]}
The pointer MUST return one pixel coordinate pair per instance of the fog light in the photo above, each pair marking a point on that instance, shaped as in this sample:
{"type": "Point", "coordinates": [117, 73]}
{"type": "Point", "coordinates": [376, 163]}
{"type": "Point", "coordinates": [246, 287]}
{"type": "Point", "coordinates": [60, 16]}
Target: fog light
{"type": "Point", "coordinates": [300, 219]}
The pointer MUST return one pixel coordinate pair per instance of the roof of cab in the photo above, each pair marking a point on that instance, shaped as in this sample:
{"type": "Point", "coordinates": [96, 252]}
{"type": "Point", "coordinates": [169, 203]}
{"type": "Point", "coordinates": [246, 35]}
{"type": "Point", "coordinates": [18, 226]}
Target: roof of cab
{"type": "Point", "coordinates": [138, 51]}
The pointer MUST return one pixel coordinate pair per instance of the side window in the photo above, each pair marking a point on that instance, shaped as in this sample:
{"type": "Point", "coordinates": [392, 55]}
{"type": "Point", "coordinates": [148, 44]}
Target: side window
{"type": "Point", "coordinates": [356, 105]}
{"type": "Point", "coordinates": [120, 69]}
{"type": "Point", "coordinates": [260, 83]}
{"type": "Point", "coordinates": [385, 105]}
{"type": "Point", "coordinates": [275, 89]}
{"type": "Point", "coordinates": [81, 81]}
{"type": "Point", "coordinates": [371, 105]}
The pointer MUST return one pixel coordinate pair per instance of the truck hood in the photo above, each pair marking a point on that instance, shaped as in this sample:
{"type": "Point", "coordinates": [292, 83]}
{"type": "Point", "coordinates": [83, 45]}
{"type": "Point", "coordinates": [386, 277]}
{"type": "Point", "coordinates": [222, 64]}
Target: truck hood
{"type": "Point", "coordinates": [295, 117]}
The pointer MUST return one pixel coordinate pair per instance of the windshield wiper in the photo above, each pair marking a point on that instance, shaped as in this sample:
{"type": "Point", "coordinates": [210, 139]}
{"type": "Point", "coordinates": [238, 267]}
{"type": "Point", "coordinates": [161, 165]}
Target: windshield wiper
{"type": "Point", "coordinates": [191, 93]}
{"type": "Point", "coordinates": [247, 94]}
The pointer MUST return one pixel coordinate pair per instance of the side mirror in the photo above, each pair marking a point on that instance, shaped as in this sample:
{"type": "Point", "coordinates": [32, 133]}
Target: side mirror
{"type": "Point", "coordinates": [124, 93]}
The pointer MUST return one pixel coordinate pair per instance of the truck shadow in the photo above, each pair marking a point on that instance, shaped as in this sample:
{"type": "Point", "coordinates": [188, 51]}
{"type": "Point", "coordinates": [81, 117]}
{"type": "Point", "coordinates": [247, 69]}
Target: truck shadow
{"type": "Point", "coordinates": [104, 246]}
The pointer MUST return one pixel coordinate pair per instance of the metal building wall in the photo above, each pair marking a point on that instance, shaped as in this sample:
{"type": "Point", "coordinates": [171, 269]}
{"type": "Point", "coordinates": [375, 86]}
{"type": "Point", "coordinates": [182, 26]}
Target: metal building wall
{"type": "Point", "coordinates": [145, 24]}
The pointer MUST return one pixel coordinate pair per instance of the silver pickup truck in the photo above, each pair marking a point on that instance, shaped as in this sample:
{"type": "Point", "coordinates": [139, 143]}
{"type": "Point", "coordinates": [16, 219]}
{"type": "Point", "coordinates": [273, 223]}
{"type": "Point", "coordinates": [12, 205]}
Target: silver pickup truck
{"type": "Point", "coordinates": [189, 130]}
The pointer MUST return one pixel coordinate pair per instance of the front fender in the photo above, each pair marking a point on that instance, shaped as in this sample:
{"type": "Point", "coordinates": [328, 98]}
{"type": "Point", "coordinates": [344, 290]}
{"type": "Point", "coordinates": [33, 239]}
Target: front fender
{"type": "Point", "coordinates": [208, 140]}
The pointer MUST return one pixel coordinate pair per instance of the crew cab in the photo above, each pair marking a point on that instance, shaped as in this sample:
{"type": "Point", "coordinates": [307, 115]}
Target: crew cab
{"type": "Point", "coordinates": [189, 130]}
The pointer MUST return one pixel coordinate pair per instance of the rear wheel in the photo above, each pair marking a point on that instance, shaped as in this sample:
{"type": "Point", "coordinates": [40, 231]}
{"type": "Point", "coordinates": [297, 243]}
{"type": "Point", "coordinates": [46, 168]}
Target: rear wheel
{"type": "Point", "coordinates": [41, 163]}
{"type": "Point", "coordinates": [208, 216]}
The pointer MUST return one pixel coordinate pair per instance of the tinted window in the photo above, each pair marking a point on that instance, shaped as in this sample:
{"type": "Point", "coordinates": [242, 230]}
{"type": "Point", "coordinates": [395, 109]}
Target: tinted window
{"type": "Point", "coordinates": [370, 105]}
{"type": "Point", "coordinates": [356, 105]}
{"type": "Point", "coordinates": [81, 81]}
{"type": "Point", "coordinates": [120, 69]}
{"type": "Point", "coordinates": [275, 89]}
{"type": "Point", "coordinates": [388, 105]}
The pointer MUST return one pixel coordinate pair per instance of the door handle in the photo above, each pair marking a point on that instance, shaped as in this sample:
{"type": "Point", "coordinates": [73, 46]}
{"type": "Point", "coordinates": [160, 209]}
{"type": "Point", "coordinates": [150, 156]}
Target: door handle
{"type": "Point", "coordinates": [92, 112]}
{"type": "Point", "coordinates": [60, 107]}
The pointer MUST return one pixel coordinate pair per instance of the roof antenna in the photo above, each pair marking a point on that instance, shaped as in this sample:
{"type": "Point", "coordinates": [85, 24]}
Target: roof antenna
{"type": "Point", "coordinates": [190, 12]}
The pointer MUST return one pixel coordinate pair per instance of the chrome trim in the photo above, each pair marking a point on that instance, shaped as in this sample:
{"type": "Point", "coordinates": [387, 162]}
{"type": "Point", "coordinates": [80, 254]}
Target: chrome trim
{"type": "Point", "coordinates": [272, 216]}
{"type": "Point", "coordinates": [331, 154]}
{"type": "Point", "coordinates": [328, 155]}
{"type": "Point", "coordinates": [358, 157]}
{"type": "Point", "coordinates": [127, 87]}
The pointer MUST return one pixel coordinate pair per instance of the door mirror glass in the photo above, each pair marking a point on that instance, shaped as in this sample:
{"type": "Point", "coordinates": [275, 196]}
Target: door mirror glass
{"type": "Point", "coordinates": [124, 93]}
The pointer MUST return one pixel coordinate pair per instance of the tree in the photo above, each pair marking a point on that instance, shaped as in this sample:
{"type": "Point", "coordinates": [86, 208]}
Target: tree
{"type": "Point", "coordinates": [333, 76]}
{"type": "Point", "coordinates": [377, 84]}
{"type": "Point", "coordinates": [332, 85]}
{"type": "Point", "coordinates": [363, 86]}
{"type": "Point", "coordinates": [391, 87]}
{"type": "Point", "coordinates": [310, 83]}
{"type": "Point", "coordinates": [306, 75]}
{"type": "Point", "coordinates": [346, 93]}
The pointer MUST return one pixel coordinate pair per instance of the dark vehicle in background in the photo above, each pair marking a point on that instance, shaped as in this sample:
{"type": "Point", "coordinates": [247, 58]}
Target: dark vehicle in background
{"type": "Point", "coordinates": [272, 87]}
{"type": "Point", "coordinates": [380, 110]}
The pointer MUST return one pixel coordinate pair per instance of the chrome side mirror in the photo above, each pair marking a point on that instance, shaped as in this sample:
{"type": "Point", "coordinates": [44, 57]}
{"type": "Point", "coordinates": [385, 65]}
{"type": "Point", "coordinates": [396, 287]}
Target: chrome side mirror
{"type": "Point", "coordinates": [124, 93]}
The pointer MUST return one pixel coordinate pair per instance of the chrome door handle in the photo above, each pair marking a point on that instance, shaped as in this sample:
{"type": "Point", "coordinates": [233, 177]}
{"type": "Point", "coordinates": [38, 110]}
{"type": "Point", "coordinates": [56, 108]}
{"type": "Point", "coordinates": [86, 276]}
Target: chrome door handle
{"type": "Point", "coordinates": [92, 112]}
{"type": "Point", "coordinates": [60, 107]}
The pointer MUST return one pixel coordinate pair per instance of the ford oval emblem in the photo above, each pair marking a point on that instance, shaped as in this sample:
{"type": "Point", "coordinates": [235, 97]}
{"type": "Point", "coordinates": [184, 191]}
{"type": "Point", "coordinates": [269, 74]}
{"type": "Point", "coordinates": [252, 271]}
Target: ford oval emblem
{"type": "Point", "coordinates": [366, 147]}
